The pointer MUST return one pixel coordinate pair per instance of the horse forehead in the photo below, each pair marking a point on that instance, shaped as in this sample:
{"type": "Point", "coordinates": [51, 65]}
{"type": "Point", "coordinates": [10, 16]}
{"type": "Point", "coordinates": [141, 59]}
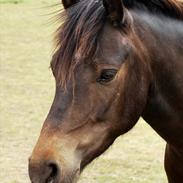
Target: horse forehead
{"type": "Point", "coordinates": [111, 37]}
{"type": "Point", "coordinates": [113, 46]}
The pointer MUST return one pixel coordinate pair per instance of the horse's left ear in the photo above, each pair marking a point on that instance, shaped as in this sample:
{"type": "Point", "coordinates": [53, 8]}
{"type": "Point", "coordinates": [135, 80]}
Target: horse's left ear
{"type": "Point", "coordinates": [115, 11]}
{"type": "Point", "coordinates": [69, 3]}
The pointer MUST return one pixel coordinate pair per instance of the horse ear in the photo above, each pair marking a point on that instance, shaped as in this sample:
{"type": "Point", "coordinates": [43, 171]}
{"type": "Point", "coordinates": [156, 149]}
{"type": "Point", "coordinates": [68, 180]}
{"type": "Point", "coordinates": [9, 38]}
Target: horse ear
{"type": "Point", "coordinates": [115, 11]}
{"type": "Point", "coordinates": [68, 3]}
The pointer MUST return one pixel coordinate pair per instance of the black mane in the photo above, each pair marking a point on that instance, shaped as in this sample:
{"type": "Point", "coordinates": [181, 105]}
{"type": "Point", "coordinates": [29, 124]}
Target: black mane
{"type": "Point", "coordinates": [77, 36]}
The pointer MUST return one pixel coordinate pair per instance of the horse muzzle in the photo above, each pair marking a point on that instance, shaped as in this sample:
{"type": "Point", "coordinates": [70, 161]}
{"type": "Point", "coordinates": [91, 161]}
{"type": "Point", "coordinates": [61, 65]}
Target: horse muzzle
{"type": "Point", "coordinates": [54, 160]}
{"type": "Point", "coordinates": [51, 172]}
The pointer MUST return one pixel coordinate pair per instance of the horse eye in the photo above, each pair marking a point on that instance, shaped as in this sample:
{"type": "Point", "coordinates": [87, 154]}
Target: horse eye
{"type": "Point", "coordinates": [107, 75]}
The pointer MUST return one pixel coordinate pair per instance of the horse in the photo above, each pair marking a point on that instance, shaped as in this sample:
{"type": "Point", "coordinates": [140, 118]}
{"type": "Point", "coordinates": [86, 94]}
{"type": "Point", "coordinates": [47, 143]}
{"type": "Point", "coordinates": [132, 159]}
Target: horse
{"type": "Point", "coordinates": [115, 61]}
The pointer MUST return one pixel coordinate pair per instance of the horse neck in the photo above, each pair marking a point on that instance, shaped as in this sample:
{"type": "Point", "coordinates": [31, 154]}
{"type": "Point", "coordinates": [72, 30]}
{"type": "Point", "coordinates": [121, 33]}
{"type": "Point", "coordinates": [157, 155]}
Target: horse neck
{"type": "Point", "coordinates": [163, 39]}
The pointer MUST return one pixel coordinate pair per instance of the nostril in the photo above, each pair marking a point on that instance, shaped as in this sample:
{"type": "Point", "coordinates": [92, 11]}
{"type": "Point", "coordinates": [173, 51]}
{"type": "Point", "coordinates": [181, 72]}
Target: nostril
{"type": "Point", "coordinates": [53, 172]}
{"type": "Point", "coordinates": [54, 168]}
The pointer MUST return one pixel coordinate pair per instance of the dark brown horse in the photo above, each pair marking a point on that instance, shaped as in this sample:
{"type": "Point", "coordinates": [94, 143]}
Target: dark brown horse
{"type": "Point", "coordinates": [115, 61]}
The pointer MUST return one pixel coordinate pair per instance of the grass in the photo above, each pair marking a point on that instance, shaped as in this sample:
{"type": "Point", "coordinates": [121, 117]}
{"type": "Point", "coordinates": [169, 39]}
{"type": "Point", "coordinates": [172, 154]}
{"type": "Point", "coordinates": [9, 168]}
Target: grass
{"type": "Point", "coordinates": [27, 90]}
{"type": "Point", "coordinates": [10, 1]}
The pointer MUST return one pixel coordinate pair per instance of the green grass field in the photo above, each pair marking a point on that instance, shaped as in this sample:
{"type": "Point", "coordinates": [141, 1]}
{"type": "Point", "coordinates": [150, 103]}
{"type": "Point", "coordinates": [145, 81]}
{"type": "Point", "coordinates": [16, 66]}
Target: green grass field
{"type": "Point", "coordinates": [26, 93]}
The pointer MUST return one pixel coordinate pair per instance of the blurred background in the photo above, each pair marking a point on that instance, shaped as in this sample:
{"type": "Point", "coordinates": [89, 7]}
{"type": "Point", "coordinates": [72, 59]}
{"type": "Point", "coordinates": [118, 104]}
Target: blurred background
{"type": "Point", "coordinates": [26, 94]}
